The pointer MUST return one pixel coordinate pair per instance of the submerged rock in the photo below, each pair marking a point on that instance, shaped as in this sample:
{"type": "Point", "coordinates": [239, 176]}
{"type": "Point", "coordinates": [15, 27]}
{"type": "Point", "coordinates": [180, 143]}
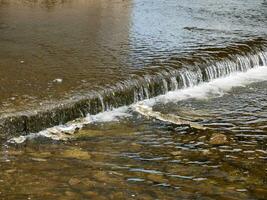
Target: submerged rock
{"type": "Point", "coordinates": [218, 139]}
{"type": "Point", "coordinates": [76, 153]}
{"type": "Point", "coordinates": [176, 153]}
{"type": "Point", "coordinates": [170, 118]}
{"type": "Point", "coordinates": [74, 181]}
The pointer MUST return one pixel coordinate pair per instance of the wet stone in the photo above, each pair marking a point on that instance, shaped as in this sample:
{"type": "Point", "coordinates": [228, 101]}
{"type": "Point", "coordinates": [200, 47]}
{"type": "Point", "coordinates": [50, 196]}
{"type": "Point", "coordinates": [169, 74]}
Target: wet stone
{"type": "Point", "coordinates": [74, 181]}
{"type": "Point", "coordinates": [206, 152]}
{"type": "Point", "coordinates": [101, 176]}
{"type": "Point", "coordinates": [76, 153]}
{"type": "Point", "coordinates": [89, 183]}
{"type": "Point", "coordinates": [10, 171]}
{"type": "Point", "coordinates": [176, 153]}
{"type": "Point", "coordinates": [218, 139]}
{"type": "Point", "coordinates": [39, 159]}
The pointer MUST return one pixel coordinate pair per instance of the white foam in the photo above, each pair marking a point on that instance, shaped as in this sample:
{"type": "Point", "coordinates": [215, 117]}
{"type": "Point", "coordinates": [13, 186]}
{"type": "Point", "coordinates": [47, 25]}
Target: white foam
{"type": "Point", "coordinates": [108, 116]}
{"type": "Point", "coordinates": [214, 88]}
{"type": "Point", "coordinates": [66, 131]}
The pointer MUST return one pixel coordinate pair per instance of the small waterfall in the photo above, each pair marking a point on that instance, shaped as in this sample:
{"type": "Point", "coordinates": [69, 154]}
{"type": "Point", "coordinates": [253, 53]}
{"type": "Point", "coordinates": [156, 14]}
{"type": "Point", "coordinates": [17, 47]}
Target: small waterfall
{"type": "Point", "coordinates": [173, 74]}
{"type": "Point", "coordinates": [161, 83]}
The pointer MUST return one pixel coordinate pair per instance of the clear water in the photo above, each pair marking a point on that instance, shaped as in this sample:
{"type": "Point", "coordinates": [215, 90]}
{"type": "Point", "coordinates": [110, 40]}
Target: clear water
{"type": "Point", "coordinates": [123, 155]}
{"type": "Point", "coordinates": [53, 50]}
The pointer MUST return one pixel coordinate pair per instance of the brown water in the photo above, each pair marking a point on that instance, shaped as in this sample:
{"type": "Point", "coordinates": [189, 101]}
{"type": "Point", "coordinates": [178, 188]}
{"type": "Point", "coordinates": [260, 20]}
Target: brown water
{"type": "Point", "coordinates": [53, 50]}
{"type": "Point", "coordinates": [77, 42]}
{"type": "Point", "coordinates": [136, 158]}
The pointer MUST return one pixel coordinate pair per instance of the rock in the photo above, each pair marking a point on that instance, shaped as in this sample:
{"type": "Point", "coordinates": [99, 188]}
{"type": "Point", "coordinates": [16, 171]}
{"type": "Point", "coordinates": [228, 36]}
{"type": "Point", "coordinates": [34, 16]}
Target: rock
{"type": "Point", "coordinates": [58, 80]}
{"type": "Point", "coordinates": [202, 138]}
{"type": "Point", "coordinates": [176, 153]}
{"type": "Point", "coordinates": [218, 139]}
{"type": "Point", "coordinates": [39, 159]}
{"type": "Point", "coordinates": [10, 171]}
{"type": "Point", "coordinates": [76, 153]}
{"type": "Point", "coordinates": [170, 118]}
{"type": "Point", "coordinates": [18, 140]}
{"type": "Point", "coordinates": [89, 183]}
{"type": "Point", "coordinates": [101, 176]}
{"type": "Point", "coordinates": [74, 181]}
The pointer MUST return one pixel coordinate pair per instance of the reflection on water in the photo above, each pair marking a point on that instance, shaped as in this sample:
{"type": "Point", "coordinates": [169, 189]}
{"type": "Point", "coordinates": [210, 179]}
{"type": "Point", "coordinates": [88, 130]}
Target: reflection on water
{"type": "Point", "coordinates": [78, 42]}
{"type": "Point", "coordinates": [89, 44]}
{"type": "Point", "coordinates": [53, 49]}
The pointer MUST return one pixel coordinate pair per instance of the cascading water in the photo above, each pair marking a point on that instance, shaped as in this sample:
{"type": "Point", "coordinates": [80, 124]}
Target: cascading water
{"type": "Point", "coordinates": [150, 84]}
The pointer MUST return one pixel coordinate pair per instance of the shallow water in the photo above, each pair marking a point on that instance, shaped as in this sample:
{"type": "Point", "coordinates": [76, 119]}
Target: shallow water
{"type": "Point", "coordinates": [53, 50]}
{"type": "Point", "coordinates": [132, 157]}
{"type": "Point", "coordinates": [62, 50]}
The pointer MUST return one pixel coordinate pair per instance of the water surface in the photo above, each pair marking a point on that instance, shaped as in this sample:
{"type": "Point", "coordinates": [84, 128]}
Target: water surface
{"type": "Point", "coordinates": [56, 50]}
{"type": "Point", "coordinates": [204, 61]}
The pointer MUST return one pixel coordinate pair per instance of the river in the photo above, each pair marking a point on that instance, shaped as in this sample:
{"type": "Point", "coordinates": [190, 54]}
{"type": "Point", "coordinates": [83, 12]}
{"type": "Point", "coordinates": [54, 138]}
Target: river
{"type": "Point", "coordinates": [73, 72]}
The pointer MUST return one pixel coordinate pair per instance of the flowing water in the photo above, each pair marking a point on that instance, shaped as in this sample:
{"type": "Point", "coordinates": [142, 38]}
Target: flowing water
{"type": "Point", "coordinates": [73, 72]}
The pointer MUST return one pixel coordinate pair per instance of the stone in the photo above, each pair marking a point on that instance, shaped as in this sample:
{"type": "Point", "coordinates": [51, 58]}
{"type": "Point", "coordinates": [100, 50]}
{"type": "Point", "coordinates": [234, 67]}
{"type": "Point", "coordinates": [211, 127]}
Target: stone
{"type": "Point", "coordinates": [218, 139]}
{"type": "Point", "coordinates": [206, 152]}
{"type": "Point", "coordinates": [39, 159]}
{"type": "Point", "coordinates": [89, 183]}
{"type": "Point", "coordinates": [74, 181]}
{"type": "Point", "coordinates": [176, 153]}
{"type": "Point", "coordinates": [58, 80]}
{"type": "Point", "coordinates": [76, 153]}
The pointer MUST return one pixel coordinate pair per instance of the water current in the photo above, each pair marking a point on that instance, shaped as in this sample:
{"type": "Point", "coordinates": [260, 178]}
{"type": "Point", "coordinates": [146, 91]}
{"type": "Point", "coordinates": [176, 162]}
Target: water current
{"type": "Point", "coordinates": [73, 72]}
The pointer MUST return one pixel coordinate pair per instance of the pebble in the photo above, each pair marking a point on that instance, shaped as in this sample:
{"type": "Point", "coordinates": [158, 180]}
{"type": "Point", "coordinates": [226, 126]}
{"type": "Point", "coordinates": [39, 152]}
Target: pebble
{"type": "Point", "coordinates": [206, 152]}
{"type": "Point", "coordinates": [39, 159]}
{"type": "Point", "coordinates": [200, 179]}
{"type": "Point", "coordinates": [218, 139]}
{"type": "Point", "coordinates": [89, 183]}
{"type": "Point", "coordinates": [74, 181]}
{"type": "Point", "coordinates": [241, 190]}
{"type": "Point", "coordinates": [76, 153]}
{"type": "Point", "coordinates": [10, 171]}
{"type": "Point", "coordinates": [58, 80]}
{"type": "Point", "coordinates": [176, 153]}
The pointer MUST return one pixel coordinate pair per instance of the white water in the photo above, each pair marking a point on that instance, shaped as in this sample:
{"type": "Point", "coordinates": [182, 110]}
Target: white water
{"type": "Point", "coordinates": [66, 131]}
{"type": "Point", "coordinates": [214, 88]}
